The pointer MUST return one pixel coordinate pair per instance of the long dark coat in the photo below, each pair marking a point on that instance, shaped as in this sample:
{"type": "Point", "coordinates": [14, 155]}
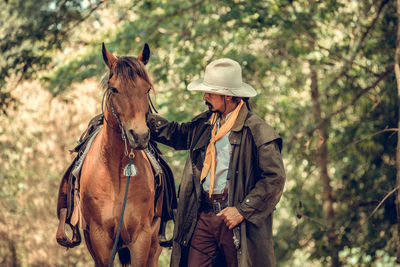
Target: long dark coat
{"type": "Point", "coordinates": [256, 180]}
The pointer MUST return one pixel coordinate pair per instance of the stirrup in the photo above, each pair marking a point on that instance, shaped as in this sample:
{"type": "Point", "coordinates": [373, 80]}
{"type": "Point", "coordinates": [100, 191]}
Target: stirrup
{"type": "Point", "coordinates": [70, 243]}
{"type": "Point", "coordinates": [162, 239]}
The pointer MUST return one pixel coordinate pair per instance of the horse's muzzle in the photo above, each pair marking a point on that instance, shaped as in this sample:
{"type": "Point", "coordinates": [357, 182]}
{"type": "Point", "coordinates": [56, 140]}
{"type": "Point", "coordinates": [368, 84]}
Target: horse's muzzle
{"type": "Point", "coordinates": [138, 141]}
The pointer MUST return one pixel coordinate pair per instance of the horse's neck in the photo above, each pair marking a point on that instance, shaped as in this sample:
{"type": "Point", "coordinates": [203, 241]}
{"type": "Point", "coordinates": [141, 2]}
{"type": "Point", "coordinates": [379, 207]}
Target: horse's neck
{"type": "Point", "coordinates": [112, 143]}
{"type": "Point", "coordinates": [113, 146]}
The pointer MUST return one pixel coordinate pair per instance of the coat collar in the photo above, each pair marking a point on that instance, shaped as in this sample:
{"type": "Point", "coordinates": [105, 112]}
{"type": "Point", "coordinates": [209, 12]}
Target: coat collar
{"type": "Point", "coordinates": [240, 119]}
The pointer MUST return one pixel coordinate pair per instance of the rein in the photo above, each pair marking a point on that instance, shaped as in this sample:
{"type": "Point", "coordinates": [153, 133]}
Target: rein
{"type": "Point", "coordinates": [130, 170]}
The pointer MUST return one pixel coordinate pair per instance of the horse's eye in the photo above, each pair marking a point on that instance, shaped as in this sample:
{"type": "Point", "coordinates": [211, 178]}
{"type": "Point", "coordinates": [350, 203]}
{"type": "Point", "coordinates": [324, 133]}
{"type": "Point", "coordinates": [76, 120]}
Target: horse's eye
{"type": "Point", "coordinates": [114, 90]}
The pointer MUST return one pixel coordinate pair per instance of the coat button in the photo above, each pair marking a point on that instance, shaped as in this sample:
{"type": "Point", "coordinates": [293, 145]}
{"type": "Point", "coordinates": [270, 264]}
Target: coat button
{"type": "Point", "coordinates": [184, 242]}
{"type": "Point", "coordinates": [159, 122]}
{"type": "Point", "coordinates": [247, 200]}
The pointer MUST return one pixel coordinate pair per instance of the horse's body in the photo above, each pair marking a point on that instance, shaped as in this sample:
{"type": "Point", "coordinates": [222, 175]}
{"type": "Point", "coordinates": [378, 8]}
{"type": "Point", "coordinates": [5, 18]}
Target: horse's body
{"type": "Point", "coordinates": [102, 193]}
{"type": "Point", "coordinates": [102, 176]}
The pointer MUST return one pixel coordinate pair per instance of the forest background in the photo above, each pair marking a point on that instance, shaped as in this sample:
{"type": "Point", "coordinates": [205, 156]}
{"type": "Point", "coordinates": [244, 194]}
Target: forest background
{"type": "Point", "coordinates": [325, 72]}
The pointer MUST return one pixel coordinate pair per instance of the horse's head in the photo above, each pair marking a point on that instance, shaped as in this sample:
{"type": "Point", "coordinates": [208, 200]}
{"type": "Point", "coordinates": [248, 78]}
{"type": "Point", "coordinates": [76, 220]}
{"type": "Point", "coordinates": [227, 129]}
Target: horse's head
{"type": "Point", "coordinates": [128, 88]}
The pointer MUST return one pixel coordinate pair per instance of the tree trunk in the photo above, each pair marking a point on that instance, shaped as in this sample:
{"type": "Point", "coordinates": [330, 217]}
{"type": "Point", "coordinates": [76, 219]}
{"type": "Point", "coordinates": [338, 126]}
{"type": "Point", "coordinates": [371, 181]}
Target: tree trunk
{"type": "Point", "coordinates": [397, 72]}
{"type": "Point", "coordinates": [322, 159]}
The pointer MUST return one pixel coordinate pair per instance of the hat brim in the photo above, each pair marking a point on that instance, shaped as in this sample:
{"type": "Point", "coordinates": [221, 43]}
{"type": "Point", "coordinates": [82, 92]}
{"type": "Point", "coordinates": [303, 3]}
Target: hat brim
{"type": "Point", "coordinates": [244, 91]}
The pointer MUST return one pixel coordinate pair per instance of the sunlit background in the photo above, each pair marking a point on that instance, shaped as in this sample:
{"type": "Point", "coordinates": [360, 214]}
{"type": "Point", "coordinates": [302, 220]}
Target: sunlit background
{"type": "Point", "coordinates": [324, 71]}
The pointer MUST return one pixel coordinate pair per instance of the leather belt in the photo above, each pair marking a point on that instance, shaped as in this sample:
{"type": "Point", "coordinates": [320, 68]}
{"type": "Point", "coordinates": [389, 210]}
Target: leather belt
{"type": "Point", "coordinates": [215, 206]}
{"type": "Point", "coordinates": [216, 203]}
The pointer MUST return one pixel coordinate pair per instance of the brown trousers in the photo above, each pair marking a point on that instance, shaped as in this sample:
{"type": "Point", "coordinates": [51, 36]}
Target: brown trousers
{"type": "Point", "coordinates": [212, 242]}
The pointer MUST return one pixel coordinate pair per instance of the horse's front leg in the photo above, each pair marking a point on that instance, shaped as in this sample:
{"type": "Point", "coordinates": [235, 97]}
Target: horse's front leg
{"type": "Point", "coordinates": [101, 245]}
{"type": "Point", "coordinates": [141, 247]}
{"type": "Point", "coordinates": [155, 248]}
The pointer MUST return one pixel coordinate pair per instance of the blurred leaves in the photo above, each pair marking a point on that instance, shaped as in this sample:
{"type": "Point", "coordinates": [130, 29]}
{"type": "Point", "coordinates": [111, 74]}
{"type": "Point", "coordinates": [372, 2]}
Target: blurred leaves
{"type": "Point", "coordinates": [349, 43]}
{"type": "Point", "coordinates": [30, 31]}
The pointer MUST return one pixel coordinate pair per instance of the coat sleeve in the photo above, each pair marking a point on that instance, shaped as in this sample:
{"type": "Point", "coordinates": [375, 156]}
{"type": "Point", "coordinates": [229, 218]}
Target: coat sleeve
{"type": "Point", "coordinates": [173, 134]}
{"type": "Point", "coordinates": [262, 199]}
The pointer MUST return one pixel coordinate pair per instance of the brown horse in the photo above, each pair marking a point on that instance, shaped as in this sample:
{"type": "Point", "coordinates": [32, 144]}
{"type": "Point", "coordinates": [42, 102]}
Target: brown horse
{"type": "Point", "coordinates": [102, 177]}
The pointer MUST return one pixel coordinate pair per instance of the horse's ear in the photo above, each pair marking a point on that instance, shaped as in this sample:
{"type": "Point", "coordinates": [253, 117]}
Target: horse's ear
{"type": "Point", "coordinates": [109, 59]}
{"type": "Point", "coordinates": [145, 55]}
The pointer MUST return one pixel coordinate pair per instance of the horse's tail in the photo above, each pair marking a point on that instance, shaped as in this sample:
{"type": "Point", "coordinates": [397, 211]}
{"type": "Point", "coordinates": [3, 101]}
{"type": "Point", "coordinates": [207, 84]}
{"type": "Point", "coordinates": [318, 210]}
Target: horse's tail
{"type": "Point", "coordinates": [124, 256]}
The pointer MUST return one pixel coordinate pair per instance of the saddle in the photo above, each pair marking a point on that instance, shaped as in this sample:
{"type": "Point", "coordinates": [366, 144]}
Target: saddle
{"type": "Point", "coordinates": [69, 186]}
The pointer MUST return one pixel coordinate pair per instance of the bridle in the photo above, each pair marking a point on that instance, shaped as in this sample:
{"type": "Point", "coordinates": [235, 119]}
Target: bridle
{"type": "Point", "coordinates": [107, 98]}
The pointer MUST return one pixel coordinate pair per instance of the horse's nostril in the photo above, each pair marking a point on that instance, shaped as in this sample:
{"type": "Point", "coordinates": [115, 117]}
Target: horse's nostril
{"type": "Point", "coordinates": [134, 135]}
{"type": "Point", "coordinates": [138, 141]}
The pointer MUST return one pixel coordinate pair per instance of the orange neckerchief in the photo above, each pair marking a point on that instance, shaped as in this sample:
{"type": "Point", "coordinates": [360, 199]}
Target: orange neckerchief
{"type": "Point", "coordinates": [210, 160]}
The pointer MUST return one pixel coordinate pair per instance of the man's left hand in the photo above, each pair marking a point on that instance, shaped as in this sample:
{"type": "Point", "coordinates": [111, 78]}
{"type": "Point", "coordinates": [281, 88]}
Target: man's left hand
{"type": "Point", "coordinates": [231, 216]}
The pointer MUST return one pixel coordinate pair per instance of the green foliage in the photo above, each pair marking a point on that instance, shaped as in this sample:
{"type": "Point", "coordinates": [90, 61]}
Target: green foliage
{"type": "Point", "coordinates": [350, 44]}
{"type": "Point", "coordinates": [30, 31]}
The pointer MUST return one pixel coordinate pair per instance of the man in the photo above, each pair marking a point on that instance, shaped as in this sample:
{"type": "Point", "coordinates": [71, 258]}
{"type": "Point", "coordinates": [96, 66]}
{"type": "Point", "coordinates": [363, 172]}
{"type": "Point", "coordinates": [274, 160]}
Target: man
{"type": "Point", "coordinates": [233, 177]}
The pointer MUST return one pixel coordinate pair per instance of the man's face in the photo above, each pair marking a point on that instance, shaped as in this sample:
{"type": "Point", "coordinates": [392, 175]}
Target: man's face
{"type": "Point", "coordinates": [214, 102]}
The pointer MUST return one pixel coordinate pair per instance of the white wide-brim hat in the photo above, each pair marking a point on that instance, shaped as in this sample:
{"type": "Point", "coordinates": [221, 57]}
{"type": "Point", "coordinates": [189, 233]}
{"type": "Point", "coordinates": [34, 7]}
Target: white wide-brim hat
{"type": "Point", "coordinates": [224, 77]}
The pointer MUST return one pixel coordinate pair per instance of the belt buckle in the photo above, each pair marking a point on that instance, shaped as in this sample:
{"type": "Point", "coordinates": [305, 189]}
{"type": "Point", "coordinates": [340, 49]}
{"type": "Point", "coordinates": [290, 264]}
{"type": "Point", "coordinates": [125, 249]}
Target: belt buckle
{"type": "Point", "coordinates": [216, 207]}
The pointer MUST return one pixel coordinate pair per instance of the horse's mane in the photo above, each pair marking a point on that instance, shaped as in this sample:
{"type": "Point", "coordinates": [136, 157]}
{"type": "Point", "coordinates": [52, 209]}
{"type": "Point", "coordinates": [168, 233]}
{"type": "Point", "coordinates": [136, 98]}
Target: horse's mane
{"type": "Point", "coordinates": [128, 68]}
